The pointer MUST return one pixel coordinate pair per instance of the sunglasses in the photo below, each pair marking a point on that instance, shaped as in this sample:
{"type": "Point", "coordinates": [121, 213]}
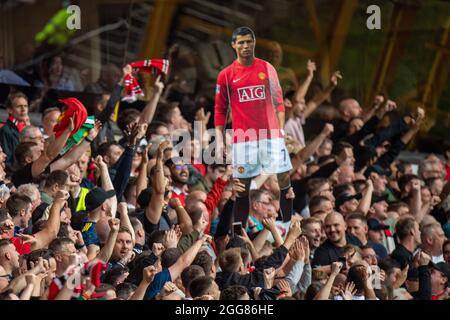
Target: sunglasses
{"type": "Point", "coordinates": [181, 167]}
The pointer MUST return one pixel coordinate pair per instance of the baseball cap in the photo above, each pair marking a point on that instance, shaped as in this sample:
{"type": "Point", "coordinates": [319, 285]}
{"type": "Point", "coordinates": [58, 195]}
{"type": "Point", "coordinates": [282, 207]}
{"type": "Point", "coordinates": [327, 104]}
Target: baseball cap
{"type": "Point", "coordinates": [375, 225]}
{"type": "Point", "coordinates": [341, 199]}
{"type": "Point", "coordinates": [96, 197]}
{"type": "Point", "coordinates": [377, 169]}
{"type": "Point", "coordinates": [376, 198]}
{"type": "Point", "coordinates": [442, 267]}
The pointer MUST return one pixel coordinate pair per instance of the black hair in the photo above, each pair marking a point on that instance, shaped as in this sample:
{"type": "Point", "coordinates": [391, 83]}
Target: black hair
{"type": "Point", "coordinates": [114, 274]}
{"type": "Point", "coordinates": [242, 31]}
{"type": "Point", "coordinates": [124, 289]}
{"type": "Point", "coordinates": [169, 257]}
{"type": "Point", "coordinates": [200, 286]}
{"type": "Point", "coordinates": [190, 273]}
{"type": "Point", "coordinates": [205, 261]}
{"type": "Point", "coordinates": [235, 292]}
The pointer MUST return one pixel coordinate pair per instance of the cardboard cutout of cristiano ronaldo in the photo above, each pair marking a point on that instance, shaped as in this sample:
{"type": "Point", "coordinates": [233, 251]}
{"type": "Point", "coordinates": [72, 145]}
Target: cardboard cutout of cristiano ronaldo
{"type": "Point", "coordinates": [249, 88]}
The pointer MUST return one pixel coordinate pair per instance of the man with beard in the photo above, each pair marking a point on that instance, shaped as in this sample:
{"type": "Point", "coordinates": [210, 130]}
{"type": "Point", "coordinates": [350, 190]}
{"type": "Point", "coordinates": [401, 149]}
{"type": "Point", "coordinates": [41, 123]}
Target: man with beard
{"type": "Point", "coordinates": [180, 175]}
{"type": "Point", "coordinates": [331, 250]}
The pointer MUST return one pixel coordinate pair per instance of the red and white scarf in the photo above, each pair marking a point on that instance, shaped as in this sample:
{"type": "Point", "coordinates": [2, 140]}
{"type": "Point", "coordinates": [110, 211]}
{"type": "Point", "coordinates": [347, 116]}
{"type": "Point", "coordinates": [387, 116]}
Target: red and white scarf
{"type": "Point", "coordinates": [132, 88]}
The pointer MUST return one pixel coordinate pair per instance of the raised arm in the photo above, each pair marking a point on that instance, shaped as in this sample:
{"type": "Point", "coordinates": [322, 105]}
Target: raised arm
{"type": "Point", "coordinates": [187, 258]}
{"type": "Point", "coordinates": [107, 250]}
{"type": "Point", "coordinates": [142, 179]}
{"type": "Point", "coordinates": [377, 102]}
{"type": "Point", "coordinates": [106, 181]}
{"type": "Point", "coordinates": [50, 232]}
{"type": "Point", "coordinates": [303, 88]}
{"type": "Point", "coordinates": [415, 203]}
{"type": "Point", "coordinates": [77, 151]}
{"type": "Point", "coordinates": [51, 151]}
{"type": "Point", "coordinates": [324, 293]}
{"type": "Point", "coordinates": [364, 203]}
{"type": "Point", "coordinates": [154, 209]}
{"type": "Point", "coordinates": [320, 97]}
{"type": "Point", "coordinates": [125, 219]}
{"type": "Point", "coordinates": [312, 147]}
{"type": "Point", "coordinates": [184, 220]}
{"type": "Point", "coordinates": [270, 225]}
{"type": "Point", "coordinates": [147, 278]}
{"type": "Point", "coordinates": [150, 108]}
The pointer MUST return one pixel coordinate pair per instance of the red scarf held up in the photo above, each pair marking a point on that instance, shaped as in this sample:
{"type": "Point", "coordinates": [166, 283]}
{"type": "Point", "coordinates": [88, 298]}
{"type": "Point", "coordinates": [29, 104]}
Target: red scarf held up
{"type": "Point", "coordinates": [132, 88]}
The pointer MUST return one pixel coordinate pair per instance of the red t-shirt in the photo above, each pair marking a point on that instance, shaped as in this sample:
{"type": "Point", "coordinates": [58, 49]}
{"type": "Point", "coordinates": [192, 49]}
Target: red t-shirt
{"type": "Point", "coordinates": [22, 248]}
{"type": "Point", "coordinates": [447, 170]}
{"type": "Point", "coordinates": [255, 96]}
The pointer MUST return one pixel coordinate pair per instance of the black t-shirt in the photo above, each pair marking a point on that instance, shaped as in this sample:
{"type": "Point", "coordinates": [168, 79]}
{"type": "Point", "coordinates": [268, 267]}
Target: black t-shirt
{"type": "Point", "coordinates": [403, 256]}
{"type": "Point", "coordinates": [328, 253]}
{"type": "Point", "coordinates": [24, 175]}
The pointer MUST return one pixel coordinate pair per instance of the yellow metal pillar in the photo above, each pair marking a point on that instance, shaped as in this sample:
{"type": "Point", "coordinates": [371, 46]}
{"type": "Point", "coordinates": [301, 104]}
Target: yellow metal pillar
{"type": "Point", "coordinates": [400, 28]}
{"type": "Point", "coordinates": [332, 48]}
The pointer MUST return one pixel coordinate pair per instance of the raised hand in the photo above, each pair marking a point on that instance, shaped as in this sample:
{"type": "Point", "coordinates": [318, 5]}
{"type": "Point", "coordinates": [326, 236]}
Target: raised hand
{"type": "Point", "coordinates": [424, 259]}
{"type": "Point", "coordinates": [30, 278]}
{"type": "Point", "coordinates": [95, 130]}
{"type": "Point", "coordinates": [26, 238]}
{"type": "Point", "coordinates": [158, 85]}
{"type": "Point", "coordinates": [6, 226]}
{"type": "Point", "coordinates": [269, 223]}
{"type": "Point", "coordinates": [297, 252]}
{"type": "Point", "coordinates": [349, 291]}
{"type": "Point", "coordinates": [206, 238]}
{"type": "Point", "coordinates": [285, 288]}
{"type": "Point", "coordinates": [334, 78]}
{"type": "Point", "coordinates": [168, 288]}
{"type": "Point", "coordinates": [201, 116]}
{"type": "Point", "coordinates": [269, 277]}
{"type": "Point", "coordinates": [100, 163]}
{"type": "Point", "coordinates": [327, 129]}
{"type": "Point", "coordinates": [157, 249]}
{"type": "Point", "coordinates": [148, 274]}
{"type": "Point", "coordinates": [378, 101]}
{"type": "Point", "coordinates": [61, 195]}
{"type": "Point", "coordinates": [163, 146]}
{"type": "Point", "coordinates": [336, 268]}
{"type": "Point", "coordinates": [170, 239]}
{"type": "Point", "coordinates": [305, 244]}
{"type": "Point", "coordinates": [415, 185]}
{"type": "Point", "coordinates": [114, 224]}
{"type": "Point", "coordinates": [175, 202]}
{"type": "Point", "coordinates": [295, 229]}
{"type": "Point", "coordinates": [290, 195]}
{"type": "Point", "coordinates": [71, 125]}
{"type": "Point", "coordinates": [237, 187]}
{"type": "Point", "coordinates": [311, 67]}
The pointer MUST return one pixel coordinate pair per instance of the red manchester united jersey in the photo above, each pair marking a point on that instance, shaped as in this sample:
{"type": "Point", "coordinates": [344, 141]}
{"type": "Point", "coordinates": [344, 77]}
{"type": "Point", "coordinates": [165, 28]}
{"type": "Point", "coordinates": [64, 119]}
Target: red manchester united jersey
{"type": "Point", "coordinates": [254, 95]}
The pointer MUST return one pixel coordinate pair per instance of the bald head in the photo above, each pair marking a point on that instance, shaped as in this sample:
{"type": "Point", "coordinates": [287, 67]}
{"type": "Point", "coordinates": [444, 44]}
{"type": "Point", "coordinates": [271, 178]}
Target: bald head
{"type": "Point", "coordinates": [335, 228]}
{"type": "Point", "coordinates": [102, 228]}
{"type": "Point", "coordinates": [349, 109]}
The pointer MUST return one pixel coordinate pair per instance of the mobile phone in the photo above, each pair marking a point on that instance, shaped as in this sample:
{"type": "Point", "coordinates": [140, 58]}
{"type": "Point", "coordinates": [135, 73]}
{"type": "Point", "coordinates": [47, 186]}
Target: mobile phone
{"type": "Point", "coordinates": [237, 228]}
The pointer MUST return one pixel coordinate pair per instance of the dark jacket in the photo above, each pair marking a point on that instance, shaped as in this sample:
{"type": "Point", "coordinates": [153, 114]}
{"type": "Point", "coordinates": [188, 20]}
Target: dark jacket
{"type": "Point", "coordinates": [9, 139]}
{"type": "Point", "coordinates": [255, 278]}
